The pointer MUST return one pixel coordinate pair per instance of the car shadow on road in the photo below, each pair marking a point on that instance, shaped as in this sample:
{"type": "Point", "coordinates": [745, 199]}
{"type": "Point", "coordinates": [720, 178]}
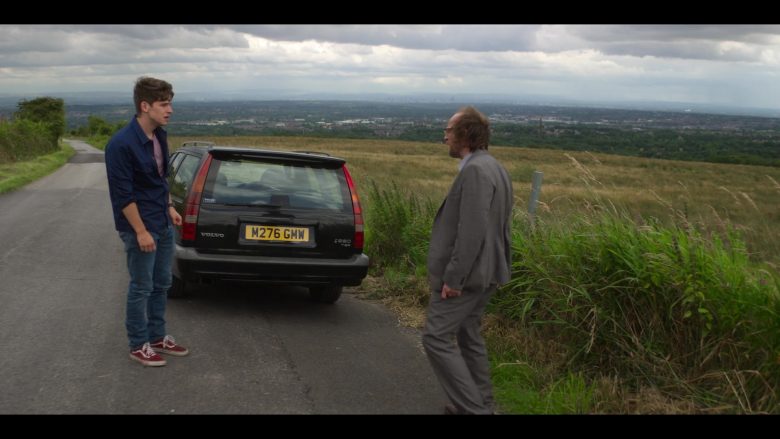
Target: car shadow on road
{"type": "Point", "coordinates": [243, 297]}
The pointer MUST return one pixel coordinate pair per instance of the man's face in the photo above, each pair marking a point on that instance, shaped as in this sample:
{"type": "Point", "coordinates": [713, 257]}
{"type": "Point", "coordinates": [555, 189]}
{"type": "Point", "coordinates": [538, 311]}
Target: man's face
{"type": "Point", "coordinates": [451, 138]}
{"type": "Point", "coordinates": [159, 111]}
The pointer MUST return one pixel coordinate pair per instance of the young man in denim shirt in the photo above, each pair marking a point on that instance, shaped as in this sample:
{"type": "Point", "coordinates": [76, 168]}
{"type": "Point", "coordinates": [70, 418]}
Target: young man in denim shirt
{"type": "Point", "coordinates": [137, 167]}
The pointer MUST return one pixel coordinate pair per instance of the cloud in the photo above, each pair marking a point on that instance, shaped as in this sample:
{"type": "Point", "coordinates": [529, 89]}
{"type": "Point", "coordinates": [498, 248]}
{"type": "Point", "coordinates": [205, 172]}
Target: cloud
{"type": "Point", "coordinates": [692, 62]}
{"type": "Point", "coordinates": [477, 38]}
{"type": "Point", "coordinates": [723, 42]}
{"type": "Point", "coordinates": [744, 43]}
{"type": "Point", "coordinates": [110, 41]}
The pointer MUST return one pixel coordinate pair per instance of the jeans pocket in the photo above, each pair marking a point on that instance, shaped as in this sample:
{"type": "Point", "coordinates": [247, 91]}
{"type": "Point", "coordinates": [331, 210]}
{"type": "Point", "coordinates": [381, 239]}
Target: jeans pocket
{"type": "Point", "coordinates": [129, 240]}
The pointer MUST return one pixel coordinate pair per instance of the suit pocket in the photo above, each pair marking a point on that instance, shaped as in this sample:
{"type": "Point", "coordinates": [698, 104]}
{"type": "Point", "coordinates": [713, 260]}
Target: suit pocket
{"type": "Point", "coordinates": [480, 276]}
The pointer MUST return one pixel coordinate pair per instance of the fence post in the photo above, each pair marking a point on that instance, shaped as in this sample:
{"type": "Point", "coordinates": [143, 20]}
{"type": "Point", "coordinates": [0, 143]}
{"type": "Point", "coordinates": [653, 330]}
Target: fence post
{"type": "Point", "coordinates": [536, 187]}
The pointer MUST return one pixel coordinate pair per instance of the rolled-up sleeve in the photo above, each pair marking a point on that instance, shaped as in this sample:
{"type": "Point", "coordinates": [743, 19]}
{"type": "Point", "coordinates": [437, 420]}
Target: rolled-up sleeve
{"type": "Point", "coordinates": [119, 168]}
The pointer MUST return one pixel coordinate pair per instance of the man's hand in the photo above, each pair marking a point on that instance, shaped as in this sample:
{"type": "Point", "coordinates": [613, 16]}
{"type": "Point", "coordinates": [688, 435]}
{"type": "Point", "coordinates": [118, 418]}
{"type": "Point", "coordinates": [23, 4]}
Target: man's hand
{"type": "Point", "coordinates": [446, 292]}
{"type": "Point", "coordinates": [145, 241]}
{"type": "Point", "coordinates": [175, 217]}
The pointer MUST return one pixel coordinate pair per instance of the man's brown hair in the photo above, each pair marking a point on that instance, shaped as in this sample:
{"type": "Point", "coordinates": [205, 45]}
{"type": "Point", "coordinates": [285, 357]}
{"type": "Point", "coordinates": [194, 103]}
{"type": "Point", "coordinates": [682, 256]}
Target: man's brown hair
{"type": "Point", "coordinates": [151, 90]}
{"type": "Point", "coordinates": [473, 128]}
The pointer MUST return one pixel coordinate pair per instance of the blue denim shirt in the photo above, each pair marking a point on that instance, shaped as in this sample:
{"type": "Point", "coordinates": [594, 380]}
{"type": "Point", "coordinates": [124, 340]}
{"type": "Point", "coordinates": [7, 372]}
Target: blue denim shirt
{"type": "Point", "coordinates": [133, 177]}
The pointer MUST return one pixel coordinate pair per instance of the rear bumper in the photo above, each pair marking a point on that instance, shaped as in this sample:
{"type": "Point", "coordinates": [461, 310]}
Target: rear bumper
{"type": "Point", "coordinates": [193, 266]}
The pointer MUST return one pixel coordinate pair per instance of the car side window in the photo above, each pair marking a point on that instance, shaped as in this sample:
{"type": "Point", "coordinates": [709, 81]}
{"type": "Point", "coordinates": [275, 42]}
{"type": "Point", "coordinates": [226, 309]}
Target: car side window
{"type": "Point", "coordinates": [175, 162]}
{"type": "Point", "coordinates": [183, 177]}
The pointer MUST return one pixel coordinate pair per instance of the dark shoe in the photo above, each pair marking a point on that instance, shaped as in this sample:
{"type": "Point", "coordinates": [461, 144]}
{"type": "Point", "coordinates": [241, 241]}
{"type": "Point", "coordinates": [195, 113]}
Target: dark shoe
{"type": "Point", "coordinates": [147, 356]}
{"type": "Point", "coordinates": [168, 346]}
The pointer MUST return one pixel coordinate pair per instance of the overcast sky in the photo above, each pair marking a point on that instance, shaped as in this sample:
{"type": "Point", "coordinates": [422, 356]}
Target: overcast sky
{"type": "Point", "coordinates": [724, 65]}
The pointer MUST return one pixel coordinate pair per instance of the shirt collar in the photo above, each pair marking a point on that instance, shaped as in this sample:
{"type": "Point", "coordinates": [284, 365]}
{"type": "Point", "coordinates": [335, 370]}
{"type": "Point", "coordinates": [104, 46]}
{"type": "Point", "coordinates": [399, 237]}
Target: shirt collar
{"type": "Point", "coordinates": [158, 132]}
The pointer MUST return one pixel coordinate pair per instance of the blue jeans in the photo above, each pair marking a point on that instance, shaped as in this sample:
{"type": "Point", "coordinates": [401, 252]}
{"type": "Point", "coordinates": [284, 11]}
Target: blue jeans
{"type": "Point", "coordinates": [150, 280]}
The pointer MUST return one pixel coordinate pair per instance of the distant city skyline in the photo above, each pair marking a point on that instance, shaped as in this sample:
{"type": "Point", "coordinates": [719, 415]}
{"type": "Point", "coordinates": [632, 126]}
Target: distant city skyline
{"type": "Point", "coordinates": [733, 66]}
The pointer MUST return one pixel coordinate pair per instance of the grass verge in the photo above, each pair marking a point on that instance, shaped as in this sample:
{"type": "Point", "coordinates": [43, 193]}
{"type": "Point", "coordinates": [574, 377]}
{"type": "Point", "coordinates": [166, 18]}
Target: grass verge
{"type": "Point", "coordinates": [18, 174]}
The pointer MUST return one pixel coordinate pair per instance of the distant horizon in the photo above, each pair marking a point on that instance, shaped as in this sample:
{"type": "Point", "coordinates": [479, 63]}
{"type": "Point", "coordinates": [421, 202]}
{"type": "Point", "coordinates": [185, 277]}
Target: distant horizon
{"type": "Point", "coordinates": [111, 97]}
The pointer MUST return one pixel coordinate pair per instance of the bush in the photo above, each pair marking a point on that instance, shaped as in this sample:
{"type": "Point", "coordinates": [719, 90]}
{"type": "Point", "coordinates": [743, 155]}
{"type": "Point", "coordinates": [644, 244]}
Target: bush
{"type": "Point", "coordinates": [97, 131]}
{"type": "Point", "coordinates": [23, 140]}
{"type": "Point", "coordinates": [48, 111]}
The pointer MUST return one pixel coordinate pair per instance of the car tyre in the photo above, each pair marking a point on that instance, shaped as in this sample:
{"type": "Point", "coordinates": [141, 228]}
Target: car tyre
{"type": "Point", "coordinates": [178, 288]}
{"type": "Point", "coordinates": [329, 294]}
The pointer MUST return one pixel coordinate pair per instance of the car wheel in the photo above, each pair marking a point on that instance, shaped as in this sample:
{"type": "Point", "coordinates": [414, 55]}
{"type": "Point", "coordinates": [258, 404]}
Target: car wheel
{"type": "Point", "coordinates": [329, 294]}
{"type": "Point", "coordinates": [178, 288]}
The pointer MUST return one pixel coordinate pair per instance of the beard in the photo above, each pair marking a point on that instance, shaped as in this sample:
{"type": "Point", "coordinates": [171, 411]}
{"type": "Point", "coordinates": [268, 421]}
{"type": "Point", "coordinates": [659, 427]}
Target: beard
{"type": "Point", "coordinates": [454, 150]}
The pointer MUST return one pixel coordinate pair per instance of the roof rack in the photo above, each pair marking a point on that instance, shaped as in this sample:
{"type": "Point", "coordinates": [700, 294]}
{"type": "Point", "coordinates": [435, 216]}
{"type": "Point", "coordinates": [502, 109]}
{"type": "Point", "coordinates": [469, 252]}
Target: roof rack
{"type": "Point", "coordinates": [197, 143]}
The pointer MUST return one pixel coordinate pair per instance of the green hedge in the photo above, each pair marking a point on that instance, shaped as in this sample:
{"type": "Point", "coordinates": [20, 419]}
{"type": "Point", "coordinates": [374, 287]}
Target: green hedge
{"type": "Point", "coordinates": [24, 139]}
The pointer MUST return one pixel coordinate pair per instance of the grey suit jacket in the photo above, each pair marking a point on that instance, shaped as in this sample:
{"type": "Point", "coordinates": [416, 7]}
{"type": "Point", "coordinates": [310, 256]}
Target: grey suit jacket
{"type": "Point", "coordinates": [471, 242]}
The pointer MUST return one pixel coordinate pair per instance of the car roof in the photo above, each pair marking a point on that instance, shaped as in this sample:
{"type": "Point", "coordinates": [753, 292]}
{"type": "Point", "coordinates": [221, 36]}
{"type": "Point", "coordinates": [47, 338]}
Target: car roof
{"type": "Point", "coordinates": [234, 151]}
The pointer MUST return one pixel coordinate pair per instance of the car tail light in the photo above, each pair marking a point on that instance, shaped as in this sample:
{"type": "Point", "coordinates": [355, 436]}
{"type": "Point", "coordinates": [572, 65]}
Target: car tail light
{"type": "Point", "coordinates": [357, 240]}
{"type": "Point", "coordinates": [192, 206]}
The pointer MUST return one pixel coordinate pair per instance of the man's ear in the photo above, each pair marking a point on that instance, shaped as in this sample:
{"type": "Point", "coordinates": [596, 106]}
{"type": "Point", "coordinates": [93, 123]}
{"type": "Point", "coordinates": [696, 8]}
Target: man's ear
{"type": "Point", "coordinates": [145, 106]}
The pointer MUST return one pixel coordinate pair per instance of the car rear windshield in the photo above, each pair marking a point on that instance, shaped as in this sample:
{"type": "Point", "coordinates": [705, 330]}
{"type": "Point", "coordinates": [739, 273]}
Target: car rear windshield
{"type": "Point", "coordinates": [245, 182]}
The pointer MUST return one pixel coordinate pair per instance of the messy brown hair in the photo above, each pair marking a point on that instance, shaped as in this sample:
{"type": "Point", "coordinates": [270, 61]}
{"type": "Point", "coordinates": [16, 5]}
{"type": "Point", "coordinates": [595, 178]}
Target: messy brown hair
{"type": "Point", "coordinates": [473, 128]}
{"type": "Point", "coordinates": [151, 90]}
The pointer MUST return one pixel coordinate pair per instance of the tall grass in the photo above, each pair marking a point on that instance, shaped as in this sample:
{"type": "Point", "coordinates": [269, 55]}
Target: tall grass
{"type": "Point", "coordinates": [652, 305]}
{"type": "Point", "coordinates": [648, 304]}
{"type": "Point", "coordinates": [398, 229]}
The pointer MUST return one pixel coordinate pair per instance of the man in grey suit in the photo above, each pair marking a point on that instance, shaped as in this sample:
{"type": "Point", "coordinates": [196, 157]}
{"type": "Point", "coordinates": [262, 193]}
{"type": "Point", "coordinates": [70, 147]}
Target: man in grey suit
{"type": "Point", "coordinates": [469, 257]}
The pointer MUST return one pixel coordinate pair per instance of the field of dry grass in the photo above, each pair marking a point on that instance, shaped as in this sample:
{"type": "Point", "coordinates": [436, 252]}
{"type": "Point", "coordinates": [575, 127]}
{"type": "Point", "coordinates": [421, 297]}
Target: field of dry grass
{"type": "Point", "coordinates": [704, 193]}
{"type": "Point", "coordinates": [707, 195]}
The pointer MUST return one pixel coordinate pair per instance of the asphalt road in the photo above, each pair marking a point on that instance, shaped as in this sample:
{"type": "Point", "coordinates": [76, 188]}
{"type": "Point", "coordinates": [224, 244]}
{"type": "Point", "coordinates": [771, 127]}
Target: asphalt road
{"type": "Point", "coordinates": [254, 350]}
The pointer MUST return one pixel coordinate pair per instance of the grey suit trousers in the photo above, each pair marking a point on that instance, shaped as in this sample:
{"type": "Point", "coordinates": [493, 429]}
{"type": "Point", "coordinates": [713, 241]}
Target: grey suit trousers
{"type": "Point", "coordinates": [456, 350]}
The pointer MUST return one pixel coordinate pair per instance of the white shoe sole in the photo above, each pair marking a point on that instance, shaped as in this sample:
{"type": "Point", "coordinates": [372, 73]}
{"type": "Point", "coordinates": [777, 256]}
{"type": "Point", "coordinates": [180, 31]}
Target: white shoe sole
{"type": "Point", "coordinates": [148, 362]}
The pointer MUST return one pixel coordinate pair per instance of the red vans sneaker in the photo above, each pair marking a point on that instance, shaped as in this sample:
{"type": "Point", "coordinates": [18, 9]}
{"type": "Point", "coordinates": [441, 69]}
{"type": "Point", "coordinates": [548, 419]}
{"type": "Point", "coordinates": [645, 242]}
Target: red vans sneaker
{"type": "Point", "coordinates": [168, 346]}
{"type": "Point", "coordinates": [147, 356]}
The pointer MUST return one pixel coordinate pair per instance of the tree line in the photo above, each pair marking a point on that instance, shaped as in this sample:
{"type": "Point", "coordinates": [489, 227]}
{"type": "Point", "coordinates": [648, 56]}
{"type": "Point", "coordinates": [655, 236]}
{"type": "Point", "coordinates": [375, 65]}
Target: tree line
{"type": "Point", "coordinates": [34, 129]}
{"type": "Point", "coordinates": [738, 147]}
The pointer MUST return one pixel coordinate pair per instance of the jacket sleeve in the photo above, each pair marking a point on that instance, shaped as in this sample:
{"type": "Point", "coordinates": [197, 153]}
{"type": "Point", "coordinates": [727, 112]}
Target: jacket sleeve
{"type": "Point", "coordinates": [119, 168]}
{"type": "Point", "coordinates": [476, 197]}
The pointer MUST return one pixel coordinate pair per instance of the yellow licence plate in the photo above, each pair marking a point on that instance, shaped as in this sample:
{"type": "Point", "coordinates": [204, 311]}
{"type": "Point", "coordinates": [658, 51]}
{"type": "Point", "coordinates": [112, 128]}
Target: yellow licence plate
{"type": "Point", "coordinates": [273, 233]}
